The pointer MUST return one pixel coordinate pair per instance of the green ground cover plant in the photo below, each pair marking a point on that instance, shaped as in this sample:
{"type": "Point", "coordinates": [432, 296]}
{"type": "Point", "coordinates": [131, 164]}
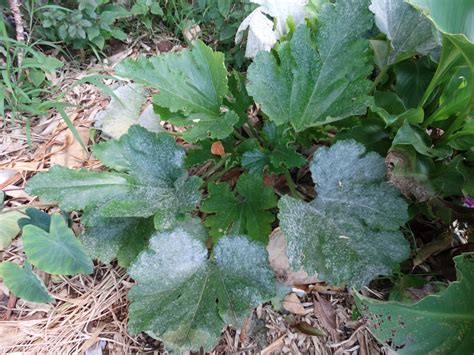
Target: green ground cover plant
{"type": "Point", "coordinates": [380, 120]}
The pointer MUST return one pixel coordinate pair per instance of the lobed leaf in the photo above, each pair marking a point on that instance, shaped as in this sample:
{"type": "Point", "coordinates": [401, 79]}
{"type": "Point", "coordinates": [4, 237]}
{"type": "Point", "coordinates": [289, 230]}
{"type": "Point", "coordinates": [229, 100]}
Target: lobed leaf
{"type": "Point", "coordinates": [351, 232]}
{"type": "Point", "coordinates": [185, 299]}
{"type": "Point", "coordinates": [309, 83]}
{"type": "Point", "coordinates": [152, 180]}
{"type": "Point", "coordinates": [192, 85]}
{"type": "Point", "coordinates": [242, 211]}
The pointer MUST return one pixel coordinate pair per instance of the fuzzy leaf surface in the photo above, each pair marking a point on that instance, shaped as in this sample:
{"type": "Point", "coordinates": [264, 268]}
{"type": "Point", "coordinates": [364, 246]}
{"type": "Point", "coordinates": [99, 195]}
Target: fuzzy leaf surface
{"type": "Point", "coordinates": [408, 30]}
{"type": "Point", "coordinates": [243, 211]}
{"type": "Point", "coordinates": [192, 85]}
{"type": "Point", "coordinates": [24, 283]}
{"type": "Point", "coordinates": [58, 252]}
{"type": "Point", "coordinates": [313, 83]}
{"type": "Point", "coordinates": [351, 232]}
{"type": "Point", "coordinates": [185, 299]}
{"type": "Point", "coordinates": [153, 179]}
{"type": "Point", "coordinates": [410, 327]}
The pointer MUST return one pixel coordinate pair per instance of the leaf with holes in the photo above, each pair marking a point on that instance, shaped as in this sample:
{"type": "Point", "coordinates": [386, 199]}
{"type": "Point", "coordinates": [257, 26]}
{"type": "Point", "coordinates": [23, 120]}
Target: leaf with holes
{"type": "Point", "coordinates": [410, 327]}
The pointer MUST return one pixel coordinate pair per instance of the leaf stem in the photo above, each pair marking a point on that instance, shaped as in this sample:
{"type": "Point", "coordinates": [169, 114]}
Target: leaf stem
{"type": "Point", "coordinates": [378, 79]}
{"type": "Point", "coordinates": [291, 185]}
{"type": "Point", "coordinates": [238, 135]}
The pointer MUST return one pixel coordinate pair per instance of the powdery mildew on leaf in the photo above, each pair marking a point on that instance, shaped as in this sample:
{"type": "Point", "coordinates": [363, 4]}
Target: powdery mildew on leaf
{"type": "Point", "coordinates": [351, 232]}
{"type": "Point", "coordinates": [185, 299]}
{"type": "Point", "coordinates": [437, 324]}
{"type": "Point", "coordinates": [152, 179]}
{"type": "Point", "coordinates": [409, 31]}
{"type": "Point", "coordinates": [192, 85]}
{"type": "Point", "coordinates": [316, 82]}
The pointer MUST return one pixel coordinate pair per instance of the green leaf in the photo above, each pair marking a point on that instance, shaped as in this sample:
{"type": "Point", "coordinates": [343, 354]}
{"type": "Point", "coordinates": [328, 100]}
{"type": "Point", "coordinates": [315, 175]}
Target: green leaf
{"type": "Point", "coordinates": [417, 137]}
{"type": "Point", "coordinates": [58, 252]}
{"type": "Point", "coordinates": [410, 328]}
{"type": "Point", "coordinates": [409, 31]}
{"type": "Point", "coordinates": [24, 283]}
{"type": "Point", "coordinates": [9, 227]}
{"type": "Point", "coordinates": [185, 299]}
{"type": "Point", "coordinates": [37, 218]}
{"type": "Point", "coordinates": [413, 77]}
{"type": "Point", "coordinates": [255, 161]}
{"type": "Point", "coordinates": [155, 9]}
{"type": "Point", "coordinates": [242, 211]}
{"type": "Point", "coordinates": [191, 84]}
{"type": "Point", "coordinates": [153, 179]}
{"type": "Point", "coordinates": [350, 233]}
{"type": "Point", "coordinates": [449, 19]}
{"type": "Point", "coordinates": [283, 158]}
{"type": "Point", "coordinates": [309, 83]}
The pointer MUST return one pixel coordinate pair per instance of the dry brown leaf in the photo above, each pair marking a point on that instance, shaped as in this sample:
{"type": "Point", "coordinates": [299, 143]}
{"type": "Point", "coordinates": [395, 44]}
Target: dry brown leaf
{"type": "Point", "coordinates": [279, 262]}
{"type": "Point", "coordinates": [292, 304]}
{"type": "Point", "coordinates": [326, 314]}
{"type": "Point", "coordinates": [69, 152]}
{"type": "Point", "coordinates": [218, 149]}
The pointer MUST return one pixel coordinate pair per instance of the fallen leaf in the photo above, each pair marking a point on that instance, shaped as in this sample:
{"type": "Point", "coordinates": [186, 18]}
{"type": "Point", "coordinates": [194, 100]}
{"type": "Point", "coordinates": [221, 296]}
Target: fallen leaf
{"type": "Point", "coordinates": [125, 109]}
{"type": "Point", "coordinates": [217, 149]}
{"type": "Point", "coordinates": [69, 152]}
{"type": "Point", "coordinates": [292, 304]}
{"type": "Point", "coordinates": [326, 314]}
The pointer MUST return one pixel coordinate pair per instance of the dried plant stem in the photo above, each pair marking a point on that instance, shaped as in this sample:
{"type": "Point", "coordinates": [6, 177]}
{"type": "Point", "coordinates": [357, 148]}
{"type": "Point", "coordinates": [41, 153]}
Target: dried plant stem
{"type": "Point", "coordinates": [20, 31]}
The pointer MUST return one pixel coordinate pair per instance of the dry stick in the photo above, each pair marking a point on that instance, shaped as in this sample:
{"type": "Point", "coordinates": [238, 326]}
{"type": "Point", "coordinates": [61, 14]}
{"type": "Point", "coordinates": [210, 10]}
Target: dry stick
{"type": "Point", "coordinates": [20, 32]}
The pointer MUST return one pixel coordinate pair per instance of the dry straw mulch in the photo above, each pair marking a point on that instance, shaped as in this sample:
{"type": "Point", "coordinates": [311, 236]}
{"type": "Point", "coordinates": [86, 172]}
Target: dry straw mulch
{"type": "Point", "coordinates": [90, 313]}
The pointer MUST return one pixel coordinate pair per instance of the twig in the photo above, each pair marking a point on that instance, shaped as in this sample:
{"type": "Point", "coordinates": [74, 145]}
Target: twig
{"type": "Point", "coordinates": [20, 32]}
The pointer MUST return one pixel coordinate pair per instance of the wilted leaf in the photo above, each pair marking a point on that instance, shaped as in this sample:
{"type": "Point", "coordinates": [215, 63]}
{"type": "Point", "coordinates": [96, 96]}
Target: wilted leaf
{"type": "Point", "coordinates": [24, 283]}
{"type": "Point", "coordinates": [309, 83]}
{"type": "Point", "coordinates": [185, 299]}
{"type": "Point", "coordinates": [411, 327]}
{"type": "Point", "coordinates": [351, 232]}
{"type": "Point", "coordinates": [125, 110]}
{"type": "Point", "coordinates": [9, 227]}
{"type": "Point", "coordinates": [58, 251]}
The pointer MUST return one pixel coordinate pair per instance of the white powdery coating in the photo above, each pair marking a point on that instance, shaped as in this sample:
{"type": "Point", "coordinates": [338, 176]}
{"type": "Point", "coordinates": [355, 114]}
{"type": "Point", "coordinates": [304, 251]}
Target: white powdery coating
{"type": "Point", "coordinates": [408, 29]}
{"type": "Point", "coordinates": [172, 258]}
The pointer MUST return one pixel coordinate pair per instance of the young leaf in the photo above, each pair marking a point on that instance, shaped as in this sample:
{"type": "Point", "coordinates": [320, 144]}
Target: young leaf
{"type": "Point", "coordinates": [9, 227]}
{"type": "Point", "coordinates": [242, 211]}
{"type": "Point", "coordinates": [351, 232]}
{"type": "Point", "coordinates": [58, 252]}
{"type": "Point", "coordinates": [185, 299]}
{"type": "Point", "coordinates": [409, 31]}
{"type": "Point", "coordinates": [192, 85]}
{"type": "Point", "coordinates": [410, 327]}
{"type": "Point", "coordinates": [153, 180]}
{"type": "Point", "coordinates": [24, 283]}
{"type": "Point", "coordinates": [313, 83]}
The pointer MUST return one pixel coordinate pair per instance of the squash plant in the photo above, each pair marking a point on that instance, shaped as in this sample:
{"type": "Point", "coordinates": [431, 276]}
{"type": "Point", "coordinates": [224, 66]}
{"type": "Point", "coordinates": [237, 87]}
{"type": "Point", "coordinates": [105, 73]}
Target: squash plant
{"type": "Point", "coordinates": [349, 80]}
